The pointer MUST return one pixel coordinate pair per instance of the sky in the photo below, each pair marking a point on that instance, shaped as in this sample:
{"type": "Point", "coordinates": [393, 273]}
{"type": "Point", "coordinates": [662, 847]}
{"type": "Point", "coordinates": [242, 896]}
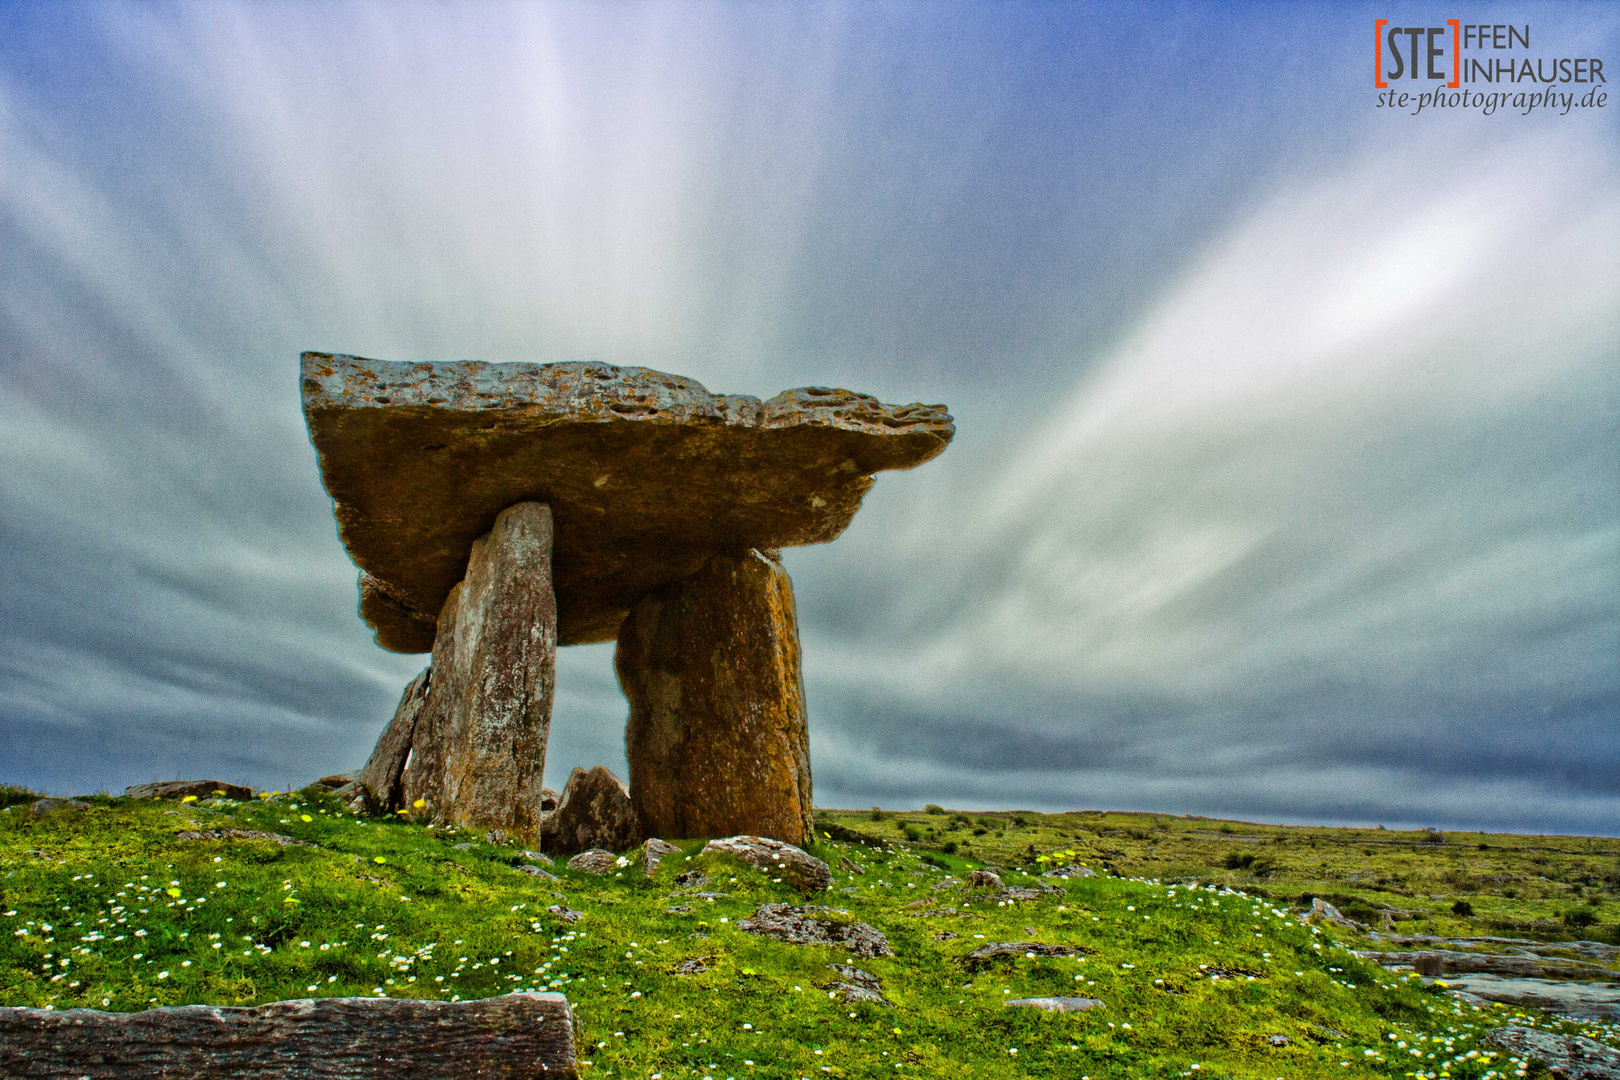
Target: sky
{"type": "Point", "coordinates": [1286, 484]}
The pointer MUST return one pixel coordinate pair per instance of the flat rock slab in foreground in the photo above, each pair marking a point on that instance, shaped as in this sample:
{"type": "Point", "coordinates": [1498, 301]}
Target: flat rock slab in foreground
{"type": "Point", "coordinates": [1594, 1001]}
{"type": "Point", "coordinates": [647, 474]}
{"type": "Point", "coordinates": [516, 1036]}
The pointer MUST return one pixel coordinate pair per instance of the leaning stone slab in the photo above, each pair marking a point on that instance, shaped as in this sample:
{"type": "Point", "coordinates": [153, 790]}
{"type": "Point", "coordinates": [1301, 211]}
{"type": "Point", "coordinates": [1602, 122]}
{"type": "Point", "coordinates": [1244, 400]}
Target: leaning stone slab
{"type": "Point", "coordinates": [478, 748]}
{"type": "Point", "coordinates": [384, 771]}
{"type": "Point", "coordinates": [800, 869]}
{"type": "Point", "coordinates": [710, 666]}
{"type": "Point", "coordinates": [179, 789]}
{"type": "Point", "coordinates": [648, 474]}
{"type": "Point", "coordinates": [519, 1036]}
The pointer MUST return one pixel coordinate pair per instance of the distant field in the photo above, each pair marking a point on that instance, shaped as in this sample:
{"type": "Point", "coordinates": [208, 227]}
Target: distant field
{"type": "Point", "coordinates": [1189, 934]}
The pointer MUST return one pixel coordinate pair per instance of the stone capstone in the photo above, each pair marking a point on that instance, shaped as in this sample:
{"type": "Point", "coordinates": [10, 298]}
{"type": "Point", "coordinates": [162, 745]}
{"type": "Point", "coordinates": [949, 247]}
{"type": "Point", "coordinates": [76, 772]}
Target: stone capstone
{"type": "Point", "coordinates": [717, 737]}
{"type": "Point", "coordinates": [800, 869]}
{"type": "Point", "coordinates": [803, 926]}
{"type": "Point", "coordinates": [179, 789]}
{"type": "Point", "coordinates": [594, 812]}
{"type": "Point", "coordinates": [520, 1036]}
{"type": "Point", "coordinates": [385, 770]}
{"type": "Point", "coordinates": [648, 475]}
{"type": "Point", "coordinates": [478, 745]}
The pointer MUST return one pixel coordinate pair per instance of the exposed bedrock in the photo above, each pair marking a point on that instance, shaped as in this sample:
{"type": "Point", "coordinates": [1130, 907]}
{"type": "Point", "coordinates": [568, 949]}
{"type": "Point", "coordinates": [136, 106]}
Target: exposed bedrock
{"type": "Point", "coordinates": [478, 748]}
{"type": "Point", "coordinates": [716, 738]}
{"type": "Point", "coordinates": [648, 475]}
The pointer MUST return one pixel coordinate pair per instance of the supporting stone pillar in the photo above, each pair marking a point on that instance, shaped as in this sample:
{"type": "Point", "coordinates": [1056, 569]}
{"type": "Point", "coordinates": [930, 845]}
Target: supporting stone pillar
{"type": "Point", "coordinates": [479, 747]}
{"type": "Point", "coordinates": [717, 736]}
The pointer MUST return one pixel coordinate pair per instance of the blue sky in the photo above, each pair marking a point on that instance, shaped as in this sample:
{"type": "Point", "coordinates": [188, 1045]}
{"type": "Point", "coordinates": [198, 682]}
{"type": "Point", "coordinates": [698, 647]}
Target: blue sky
{"type": "Point", "coordinates": [1286, 477]}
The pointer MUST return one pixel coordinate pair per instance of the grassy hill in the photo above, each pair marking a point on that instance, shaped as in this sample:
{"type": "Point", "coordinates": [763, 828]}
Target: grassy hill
{"type": "Point", "coordinates": [1189, 934]}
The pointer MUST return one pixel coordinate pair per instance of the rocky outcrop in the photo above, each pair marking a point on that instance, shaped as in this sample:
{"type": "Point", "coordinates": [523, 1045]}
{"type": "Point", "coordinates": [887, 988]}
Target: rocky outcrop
{"type": "Point", "coordinates": [384, 772]}
{"type": "Point", "coordinates": [517, 1036]}
{"type": "Point", "coordinates": [1567, 1057]}
{"type": "Point", "coordinates": [594, 812]}
{"type": "Point", "coordinates": [797, 867]}
{"type": "Point", "coordinates": [649, 475]}
{"type": "Point", "coordinates": [805, 926]}
{"type": "Point", "coordinates": [179, 789]}
{"type": "Point", "coordinates": [717, 736]}
{"type": "Point", "coordinates": [855, 986]}
{"type": "Point", "coordinates": [478, 747]}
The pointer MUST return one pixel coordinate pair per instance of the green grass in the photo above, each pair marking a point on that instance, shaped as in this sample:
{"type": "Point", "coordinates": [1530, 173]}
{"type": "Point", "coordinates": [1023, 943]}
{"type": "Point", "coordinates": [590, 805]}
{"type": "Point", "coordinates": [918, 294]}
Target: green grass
{"type": "Point", "coordinates": [398, 908]}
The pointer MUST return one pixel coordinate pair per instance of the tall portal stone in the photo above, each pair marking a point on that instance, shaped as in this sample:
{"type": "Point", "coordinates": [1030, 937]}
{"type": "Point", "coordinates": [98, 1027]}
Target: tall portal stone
{"type": "Point", "coordinates": [717, 737]}
{"type": "Point", "coordinates": [478, 751]}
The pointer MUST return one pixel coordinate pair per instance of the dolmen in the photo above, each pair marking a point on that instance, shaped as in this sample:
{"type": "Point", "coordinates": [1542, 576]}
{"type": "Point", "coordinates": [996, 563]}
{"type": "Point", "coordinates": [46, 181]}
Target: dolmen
{"type": "Point", "coordinates": [497, 511]}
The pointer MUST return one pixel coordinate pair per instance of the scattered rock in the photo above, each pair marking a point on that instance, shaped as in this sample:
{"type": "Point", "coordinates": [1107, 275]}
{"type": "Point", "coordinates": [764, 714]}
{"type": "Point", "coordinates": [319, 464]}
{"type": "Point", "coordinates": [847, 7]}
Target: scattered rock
{"type": "Point", "coordinates": [1024, 892]}
{"type": "Point", "coordinates": [710, 665]}
{"type": "Point", "coordinates": [535, 856]}
{"type": "Point", "coordinates": [944, 935]}
{"type": "Point", "coordinates": [799, 926]}
{"type": "Point", "coordinates": [595, 861]}
{"type": "Point", "coordinates": [1568, 1057]}
{"type": "Point", "coordinates": [648, 474]}
{"type": "Point", "coordinates": [47, 807]}
{"type": "Point", "coordinates": [691, 879]}
{"type": "Point", "coordinates": [179, 789]}
{"type": "Point", "coordinates": [924, 902]}
{"type": "Point", "coordinates": [653, 852]}
{"type": "Point", "coordinates": [678, 909]}
{"type": "Point", "coordinates": [692, 965]}
{"type": "Point", "coordinates": [987, 954]}
{"type": "Point", "coordinates": [463, 846]}
{"type": "Point", "coordinates": [535, 871]}
{"type": "Point", "coordinates": [984, 879]}
{"type": "Point", "coordinates": [1322, 911]}
{"type": "Point", "coordinates": [595, 812]}
{"type": "Point", "coordinates": [566, 914]}
{"type": "Point", "coordinates": [478, 746]}
{"type": "Point", "coordinates": [797, 867]}
{"type": "Point", "coordinates": [1277, 1040]}
{"type": "Point", "coordinates": [855, 986]}
{"type": "Point", "coordinates": [850, 867]}
{"type": "Point", "coordinates": [1071, 872]}
{"type": "Point", "coordinates": [386, 767]}
{"type": "Point", "coordinates": [243, 834]}
{"type": "Point", "coordinates": [1058, 1004]}
{"type": "Point", "coordinates": [357, 798]}
{"type": "Point", "coordinates": [334, 1038]}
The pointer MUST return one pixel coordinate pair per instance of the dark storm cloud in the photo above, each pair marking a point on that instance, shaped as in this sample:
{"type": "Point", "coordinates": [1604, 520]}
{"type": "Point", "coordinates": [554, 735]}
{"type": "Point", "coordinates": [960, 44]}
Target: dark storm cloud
{"type": "Point", "coordinates": [1284, 485]}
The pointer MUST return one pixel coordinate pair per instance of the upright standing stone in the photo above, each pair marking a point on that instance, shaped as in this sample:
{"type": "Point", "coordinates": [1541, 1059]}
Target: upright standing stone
{"type": "Point", "coordinates": [717, 737]}
{"type": "Point", "coordinates": [479, 748]}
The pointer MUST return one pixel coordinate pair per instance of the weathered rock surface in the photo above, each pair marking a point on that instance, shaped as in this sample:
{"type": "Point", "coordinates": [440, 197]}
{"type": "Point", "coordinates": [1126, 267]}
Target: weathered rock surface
{"type": "Point", "coordinates": [987, 954]}
{"type": "Point", "coordinates": [517, 1036]}
{"type": "Point", "coordinates": [984, 879]}
{"type": "Point", "coordinates": [800, 926]}
{"type": "Point", "coordinates": [179, 789]}
{"type": "Point", "coordinates": [1443, 962]}
{"type": "Point", "coordinates": [1568, 1057]}
{"type": "Point", "coordinates": [649, 475]}
{"type": "Point", "coordinates": [478, 748]}
{"type": "Point", "coordinates": [1059, 1004]}
{"type": "Point", "coordinates": [717, 736]}
{"type": "Point", "coordinates": [1597, 1001]}
{"type": "Point", "coordinates": [800, 869]}
{"type": "Point", "coordinates": [1591, 950]}
{"type": "Point", "coordinates": [653, 852]}
{"type": "Point", "coordinates": [855, 985]}
{"type": "Point", "coordinates": [385, 770]}
{"type": "Point", "coordinates": [596, 861]}
{"type": "Point", "coordinates": [594, 812]}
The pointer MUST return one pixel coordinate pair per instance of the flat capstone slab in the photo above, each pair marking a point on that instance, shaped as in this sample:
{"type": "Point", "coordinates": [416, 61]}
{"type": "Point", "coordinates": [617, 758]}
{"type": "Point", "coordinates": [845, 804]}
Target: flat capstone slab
{"type": "Point", "coordinates": [647, 475]}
